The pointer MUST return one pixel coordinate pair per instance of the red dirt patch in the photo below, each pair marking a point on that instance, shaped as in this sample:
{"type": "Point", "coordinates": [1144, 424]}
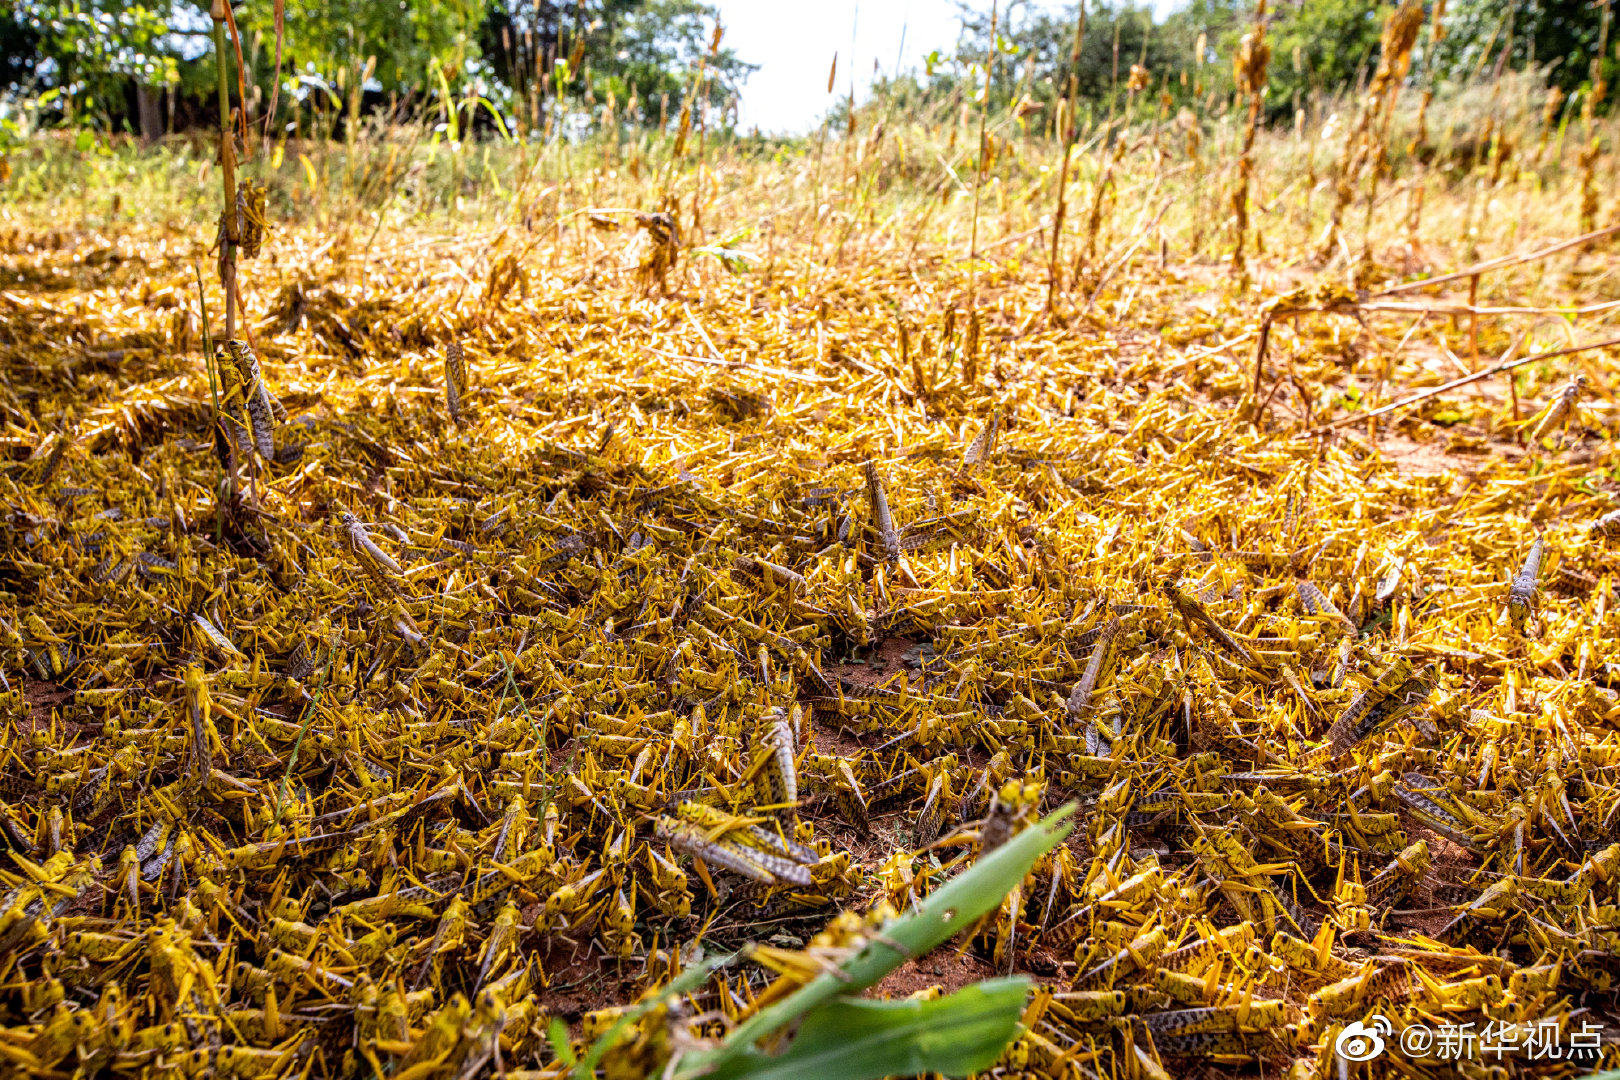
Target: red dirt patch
{"type": "Point", "coordinates": [1429, 914]}
{"type": "Point", "coordinates": [831, 737]}
{"type": "Point", "coordinates": [581, 979]}
{"type": "Point", "coordinates": [1433, 458]}
{"type": "Point", "coordinates": [41, 697]}
{"type": "Point", "coordinates": [944, 967]}
{"type": "Point", "coordinates": [886, 660]}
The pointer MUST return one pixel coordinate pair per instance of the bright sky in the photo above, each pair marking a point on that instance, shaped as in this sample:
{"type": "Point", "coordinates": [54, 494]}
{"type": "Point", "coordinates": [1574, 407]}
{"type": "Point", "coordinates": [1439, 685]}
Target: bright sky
{"type": "Point", "coordinates": [794, 44]}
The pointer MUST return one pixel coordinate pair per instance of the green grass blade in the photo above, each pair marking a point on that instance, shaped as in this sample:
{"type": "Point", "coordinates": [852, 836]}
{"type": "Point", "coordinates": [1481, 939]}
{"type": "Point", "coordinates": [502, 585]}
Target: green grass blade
{"type": "Point", "coordinates": [450, 124]}
{"type": "Point", "coordinates": [862, 1040]}
{"type": "Point", "coordinates": [500, 121]}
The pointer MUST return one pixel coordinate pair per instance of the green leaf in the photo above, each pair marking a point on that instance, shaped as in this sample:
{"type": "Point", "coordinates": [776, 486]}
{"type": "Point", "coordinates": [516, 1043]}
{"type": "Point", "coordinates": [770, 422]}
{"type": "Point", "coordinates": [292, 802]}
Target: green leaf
{"type": "Point", "coordinates": [949, 910]}
{"type": "Point", "coordinates": [449, 103]}
{"type": "Point", "coordinates": [861, 1040]}
{"type": "Point", "coordinates": [557, 1035]}
{"type": "Point", "coordinates": [500, 121]}
{"type": "Point", "coordinates": [734, 259]}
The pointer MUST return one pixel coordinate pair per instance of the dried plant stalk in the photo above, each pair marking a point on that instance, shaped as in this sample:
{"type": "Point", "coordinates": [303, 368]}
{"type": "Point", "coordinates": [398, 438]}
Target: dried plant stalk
{"type": "Point", "coordinates": [1364, 145]}
{"type": "Point", "coordinates": [1249, 65]}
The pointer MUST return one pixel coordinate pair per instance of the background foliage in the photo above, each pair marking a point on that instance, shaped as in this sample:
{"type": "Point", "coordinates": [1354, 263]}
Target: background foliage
{"type": "Point", "coordinates": [635, 62]}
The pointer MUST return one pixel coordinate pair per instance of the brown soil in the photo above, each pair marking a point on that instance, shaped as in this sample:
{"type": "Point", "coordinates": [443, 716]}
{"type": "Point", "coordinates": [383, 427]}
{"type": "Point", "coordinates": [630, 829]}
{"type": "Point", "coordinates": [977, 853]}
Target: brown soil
{"type": "Point", "coordinates": [581, 978]}
{"type": "Point", "coordinates": [832, 737]}
{"type": "Point", "coordinates": [882, 666]}
{"type": "Point", "coordinates": [41, 697]}
{"type": "Point", "coordinates": [1451, 863]}
{"type": "Point", "coordinates": [944, 967]}
{"type": "Point", "coordinates": [1432, 458]}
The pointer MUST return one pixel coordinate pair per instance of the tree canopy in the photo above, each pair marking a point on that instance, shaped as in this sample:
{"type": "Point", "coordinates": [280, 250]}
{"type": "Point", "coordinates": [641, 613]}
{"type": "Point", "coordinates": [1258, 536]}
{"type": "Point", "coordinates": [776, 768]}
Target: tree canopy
{"type": "Point", "coordinates": [85, 53]}
{"type": "Point", "coordinates": [85, 57]}
{"type": "Point", "coordinates": [635, 61]}
{"type": "Point", "coordinates": [621, 51]}
{"type": "Point", "coordinates": [1559, 35]}
{"type": "Point", "coordinates": [391, 43]}
{"type": "Point", "coordinates": [1325, 45]}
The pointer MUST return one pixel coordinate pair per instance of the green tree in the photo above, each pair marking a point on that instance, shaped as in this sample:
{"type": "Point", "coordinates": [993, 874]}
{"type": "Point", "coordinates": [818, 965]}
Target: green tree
{"type": "Point", "coordinates": [93, 53]}
{"type": "Point", "coordinates": [1316, 45]}
{"type": "Point", "coordinates": [88, 54]}
{"type": "Point", "coordinates": [1035, 45]}
{"type": "Point", "coordinates": [406, 37]}
{"type": "Point", "coordinates": [335, 51]}
{"type": "Point", "coordinates": [645, 51]}
{"type": "Point", "coordinates": [1559, 35]}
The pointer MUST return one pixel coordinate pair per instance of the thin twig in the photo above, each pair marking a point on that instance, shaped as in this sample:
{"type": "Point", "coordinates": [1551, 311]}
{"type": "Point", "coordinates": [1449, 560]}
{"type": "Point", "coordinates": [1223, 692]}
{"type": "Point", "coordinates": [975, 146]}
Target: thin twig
{"type": "Point", "coordinates": [213, 388]}
{"type": "Point", "coordinates": [1468, 309]}
{"type": "Point", "coordinates": [1066, 141]}
{"type": "Point", "coordinates": [978, 183]}
{"type": "Point", "coordinates": [1125, 258]}
{"type": "Point", "coordinates": [1498, 263]}
{"type": "Point", "coordinates": [1494, 369]}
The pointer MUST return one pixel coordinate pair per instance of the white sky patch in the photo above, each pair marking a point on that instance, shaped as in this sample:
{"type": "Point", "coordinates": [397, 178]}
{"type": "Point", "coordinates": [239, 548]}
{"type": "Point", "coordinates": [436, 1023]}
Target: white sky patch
{"type": "Point", "coordinates": [794, 44]}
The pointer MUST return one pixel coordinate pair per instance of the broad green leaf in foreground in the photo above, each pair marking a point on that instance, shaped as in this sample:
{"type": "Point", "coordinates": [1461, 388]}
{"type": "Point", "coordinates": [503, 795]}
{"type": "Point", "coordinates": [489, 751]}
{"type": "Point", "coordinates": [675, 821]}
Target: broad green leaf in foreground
{"type": "Point", "coordinates": [946, 912]}
{"type": "Point", "coordinates": [862, 1040]}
